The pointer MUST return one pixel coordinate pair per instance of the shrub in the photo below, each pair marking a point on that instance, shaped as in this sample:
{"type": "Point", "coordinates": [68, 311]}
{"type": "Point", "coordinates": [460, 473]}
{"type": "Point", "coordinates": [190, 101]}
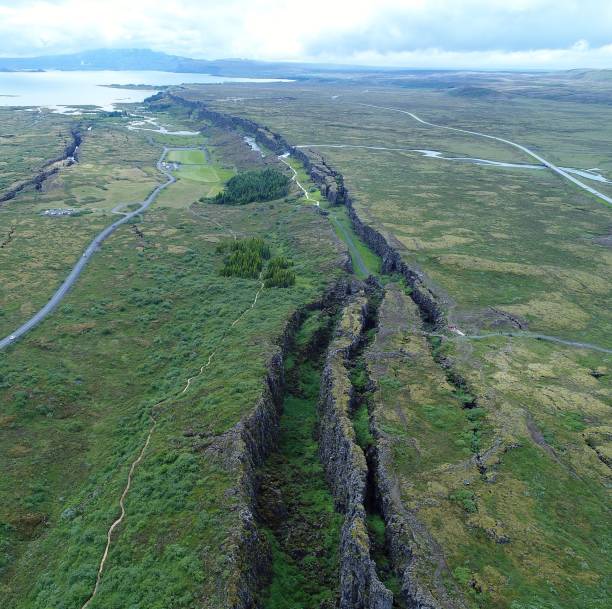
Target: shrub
{"type": "Point", "coordinates": [278, 274]}
{"type": "Point", "coordinates": [246, 258]}
{"type": "Point", "coordinates": [466, 499]}
{"type": "Point", "coordinates": [282, 278]}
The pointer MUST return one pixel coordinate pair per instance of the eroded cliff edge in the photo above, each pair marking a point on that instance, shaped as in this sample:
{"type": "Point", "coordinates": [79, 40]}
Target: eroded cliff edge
{"type": "Point", "coordinates": [241, 451]}
{"type": "Point", "coordinates": [346, 467]}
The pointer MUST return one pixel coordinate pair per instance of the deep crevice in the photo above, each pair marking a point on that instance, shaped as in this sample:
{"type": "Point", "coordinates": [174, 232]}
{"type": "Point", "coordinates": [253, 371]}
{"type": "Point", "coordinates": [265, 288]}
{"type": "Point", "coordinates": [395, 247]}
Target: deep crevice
{"type": "Point", "coordinates": [465, 395]}
{"type": "Point", "coordinates": [332, 186]}
{"type": "Point", "coordinates": [295, 507]}
{"type": "Point", "coordinates": [360, 416]}
{"type": "Point", "coordinates": [9, 237]}
{"type": "Point", "coordinates": [69, 155]}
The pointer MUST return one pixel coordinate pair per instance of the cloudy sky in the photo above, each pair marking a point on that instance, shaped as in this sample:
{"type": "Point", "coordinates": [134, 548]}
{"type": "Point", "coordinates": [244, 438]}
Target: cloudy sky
{"type": "Point", "coordinates": [410, 33]}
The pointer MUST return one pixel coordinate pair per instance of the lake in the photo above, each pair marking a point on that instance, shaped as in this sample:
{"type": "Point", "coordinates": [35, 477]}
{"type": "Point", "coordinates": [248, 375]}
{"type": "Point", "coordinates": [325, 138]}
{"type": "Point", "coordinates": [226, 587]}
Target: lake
{"type": "Point", "coordinates": [55, 88]}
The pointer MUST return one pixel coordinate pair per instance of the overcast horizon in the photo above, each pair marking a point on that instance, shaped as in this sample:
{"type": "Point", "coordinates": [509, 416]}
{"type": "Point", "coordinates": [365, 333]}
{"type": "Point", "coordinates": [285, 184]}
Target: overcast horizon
{"type": "Point", "coordinates": [436, 34]}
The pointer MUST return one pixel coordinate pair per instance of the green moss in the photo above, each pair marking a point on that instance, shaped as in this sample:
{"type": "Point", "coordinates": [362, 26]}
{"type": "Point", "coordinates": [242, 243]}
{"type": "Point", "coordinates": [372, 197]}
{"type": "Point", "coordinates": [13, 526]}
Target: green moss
{"type": "Point", "coordinates": [305, 540]}
{"type": "Point", "coordinates": [361, 425]}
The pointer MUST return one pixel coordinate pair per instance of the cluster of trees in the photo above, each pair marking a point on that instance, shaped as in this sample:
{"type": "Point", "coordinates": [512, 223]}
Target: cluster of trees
{"type": "Point", "coordinates": [246, 259]}
{"type": "Point", "coordinates": [249, 186]}
{"type": "Point", "coordinates": [278, 273]}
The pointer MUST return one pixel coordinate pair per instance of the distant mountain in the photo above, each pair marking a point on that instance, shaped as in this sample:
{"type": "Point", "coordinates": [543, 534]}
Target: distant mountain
{"type": "Point", "coordinates": [109, 59]}
{"type": "Point", "coordinates": [144, 59]}
{"type": "Point", "coordinates": [558, 85]}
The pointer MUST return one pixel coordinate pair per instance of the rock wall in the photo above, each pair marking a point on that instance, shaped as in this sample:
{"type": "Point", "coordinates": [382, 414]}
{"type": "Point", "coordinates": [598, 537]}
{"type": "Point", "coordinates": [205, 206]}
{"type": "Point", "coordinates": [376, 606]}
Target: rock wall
{"type": "Point", "coordinates": [53, 165]}
{"type": "Point", "coordinates": [344, 462]}
{"type": "Point", "coordinates": [399, 531]}
{"type": "Point", "coordinates": [244, 448]}
{"type": "Point", "coordinates": [269, 139]}
{"type": "Point", "coordinates": [346, 468]}
{"type": "Point", "coordinates": [425, 299]}
{"type": "Point", "coordinates": [329, 181]}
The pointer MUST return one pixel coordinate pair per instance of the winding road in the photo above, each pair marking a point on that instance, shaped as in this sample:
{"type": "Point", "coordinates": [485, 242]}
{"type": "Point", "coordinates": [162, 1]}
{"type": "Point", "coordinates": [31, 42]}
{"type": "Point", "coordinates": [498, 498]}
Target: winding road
{"type": "Point", "coordinates": [435, 154]}
{"type": "Point", "coordinates": [536, 336]}
{"type": "Point", "coordinates": [86, 256]}
{"type": "Point", "coordinates": [524, 149]}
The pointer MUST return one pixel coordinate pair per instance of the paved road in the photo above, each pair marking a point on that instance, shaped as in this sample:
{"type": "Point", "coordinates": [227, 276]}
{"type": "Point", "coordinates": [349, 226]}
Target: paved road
{"type": "Point", "coordinates": [86, 256]}
{"type": "Point", "coordinates": [435, 154]}
{"type": "Point", "coordinates": [545, 337]}
{"type": "Point", "coordinates": [526, 150]}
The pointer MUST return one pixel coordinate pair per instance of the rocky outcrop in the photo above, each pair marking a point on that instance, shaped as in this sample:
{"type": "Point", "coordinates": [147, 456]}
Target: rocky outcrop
{"type": "Point", "coordinates": [399, 528]}
{"type": "Point", "coordinates": [269, 139]}
{"type": "Point", "coordinates": [36, 181]}
{"type": "Point", "coordinates": [344, 461]}
{"type": "Point", "coordinates": [242, 450]}
{"type": "Point", "coordinates": [346, 468]}
{"type": "Point", "coordinates": [49, 168]}
{"type": "Point", "coordinates": [329, 181]}
{"type": "Point", "coordinates": [392, 262]}
{"type": "Point", "coordinates": [415, 555]}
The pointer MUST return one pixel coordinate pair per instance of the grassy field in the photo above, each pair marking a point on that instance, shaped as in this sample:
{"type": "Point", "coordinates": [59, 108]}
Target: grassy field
{"type": "Point", "coordinates": [77, 393]}
{"type": "Point", "coordinates": [505, 249]}
{"type": "Point", "coordinates": [499, 447]}
{"type": "Point", "coordinates": [116, 167]}
{"type": "Point", "coordinates": [365, 261]}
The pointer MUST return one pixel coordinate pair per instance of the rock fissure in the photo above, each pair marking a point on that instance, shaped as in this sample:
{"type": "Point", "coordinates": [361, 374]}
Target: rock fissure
{"type": "Point", "coordinates": [49, 168]}
{"type": "Point", "coordinates": [346, 465]}
{"type": "Point", "coordinates": [8, 238]}
{"type": "Point", "coordinates": [294, 505]}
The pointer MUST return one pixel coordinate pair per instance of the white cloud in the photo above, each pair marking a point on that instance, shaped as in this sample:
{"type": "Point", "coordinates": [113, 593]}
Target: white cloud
{"type": "Point", "coordinates": [420, 33]}
{"type": "Point", "coordinates": [576, 56]}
